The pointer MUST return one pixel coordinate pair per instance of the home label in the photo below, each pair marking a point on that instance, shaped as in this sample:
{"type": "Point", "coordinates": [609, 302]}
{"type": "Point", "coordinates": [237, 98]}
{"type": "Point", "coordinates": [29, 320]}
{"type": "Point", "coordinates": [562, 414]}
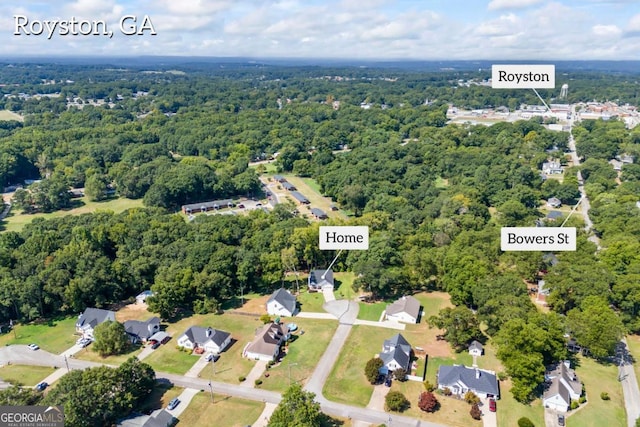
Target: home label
{"type": "Point", "coordinates": [523, 76]}
{"type": "Point", "coordinates": [344, 237]}
{"type": "Point", "coordinates": [548, 239]}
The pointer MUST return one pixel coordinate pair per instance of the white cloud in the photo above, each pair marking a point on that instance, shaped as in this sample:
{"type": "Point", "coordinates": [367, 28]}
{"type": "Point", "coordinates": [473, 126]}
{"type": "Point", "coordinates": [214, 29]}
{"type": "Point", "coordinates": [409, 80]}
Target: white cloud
{"type": "Point", "coordinates": [504, 25]}
{"type": "Point", "coordinates": [606, 30]}
{"type": "Point", "coordinates": [511, 4]}
{"type": "Point", "coordinates": [634, 23]}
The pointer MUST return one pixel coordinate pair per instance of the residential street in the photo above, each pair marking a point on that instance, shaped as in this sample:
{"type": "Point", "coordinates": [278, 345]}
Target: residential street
{"type": "Point", "coordinates": [629, 382]}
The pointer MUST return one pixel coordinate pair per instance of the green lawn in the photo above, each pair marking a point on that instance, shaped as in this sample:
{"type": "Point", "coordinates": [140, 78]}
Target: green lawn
{"type": "Point", "coordinates": [160, 397]}
{"type": "Point", "coordinates": [88, 354]}
{"type": "Point", "coordinates": [303, 353]}
{"type": "Point", "coordinates": [229, 367]}
{"type": "Point", "coordinates": [17, 220]}
{"type": "Point", "coordinates": [347, 383]}
{"type": "Point", "coordinates": [432, 303]}
{"type": "Point", "coordinates": [24, 375]}
{"type": "Point", "coordinates": [509, 410]}
{"type": "Point", "coordinates": [344, 285]}
{"type": "Point", "coordinates": [371, 311]}
{"type": "Point", "coordinates": [311, 301]}
{"type": "Point", "coordinates": [54, 336]}
{"type": "Point", "coordinates": [598, 378]}
{"type": "Point", "coordinates": [225, 410]}
{"type": "Point", "coordinates": [313, 184]}
{"type": "Point", "coordinates": [452, 412]}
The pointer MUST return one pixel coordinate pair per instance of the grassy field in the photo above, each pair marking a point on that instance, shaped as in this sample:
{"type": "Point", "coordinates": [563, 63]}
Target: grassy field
{"type": "Point", "coordinates": [225, 411]}
{"type": "Point", "coordinates": [599, 378]}
{"type": "Point", "coordinates": [452, 412]}
{"type": "Point", "coordinates": [509, 410]}
{"type": "Point", "coordinates": [343, 288]}
{"type": "Point", "coordinates": [371, 310]}
{"type": "Point", "coordinates": [432, 303]}
{"type": "Point", "coordinates": [633, 341]}
{"type": "Point", "coordinates": [311, 301]}
{"type": "Point", "coordinates": [303, 354]}
{"type": "Point", "coordinates": [10, 115]}
{"type": "Point", "coordinates": [54, 336]}
{"type": "Point", "coordinates": [317, 200]}
{"type": "Point", "coordinates": [229, 367]}
{"type": "Point", "coordinates": [90, 355]}
{"type": "Point", "coordinates": [347, 383]}
{"type": "Point", "coordinates": [160, 397]}
{"type": "Point", "coordinates": [313, 184]}
{"type": "Point", "coordinates": [24, 375]}
{"type": "Point", "coordinates": [17, 220]}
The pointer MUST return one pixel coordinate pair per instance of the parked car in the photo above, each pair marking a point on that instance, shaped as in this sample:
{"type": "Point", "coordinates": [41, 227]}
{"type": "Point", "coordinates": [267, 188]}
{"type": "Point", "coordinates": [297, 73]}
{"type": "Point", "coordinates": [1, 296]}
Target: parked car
{"type": "Point", "coordinates": [84, 342]}
{"type": "Point", "coordinates": [155, 345]}
{"type": "Point", "coordinates": [212, 357]}
{"type": "Point", "coordinates": [492, 405]}
{"type": "Point", "coordinates": [41, 386]}
{"type": "Point", "coordinates": [173, 404]}
{"type": "Point", "coordinates": [387, 382]}
{"type": "Point", "coordinates": [33, 347]}
{"type": "Point", "coordinates": [561, 420]}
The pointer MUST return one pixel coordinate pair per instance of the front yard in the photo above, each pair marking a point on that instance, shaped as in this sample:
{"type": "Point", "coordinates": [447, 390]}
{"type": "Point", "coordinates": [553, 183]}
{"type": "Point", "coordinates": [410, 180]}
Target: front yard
{"type": "Point", "coordinates": [226, 411]}
{"type": "Point", "coordinates": [54, 336]}
{"type": "Point", "coordinates": [303, 353]}
{"type": "Point", "coordinates": [598, 378]}
{"type": "Point", "coordinates": [24, 375]}
{"type": "Point", "coordinates": [90, 355]}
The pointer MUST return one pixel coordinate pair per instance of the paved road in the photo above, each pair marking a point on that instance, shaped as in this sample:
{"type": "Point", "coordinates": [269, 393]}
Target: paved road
{"type": "Point", "coordinates": [629, 382]}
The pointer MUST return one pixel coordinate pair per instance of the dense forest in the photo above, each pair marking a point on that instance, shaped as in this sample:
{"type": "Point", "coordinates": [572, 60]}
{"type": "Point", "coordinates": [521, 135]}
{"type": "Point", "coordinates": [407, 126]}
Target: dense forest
{"type": "Point", "coordinates": [433, 195]}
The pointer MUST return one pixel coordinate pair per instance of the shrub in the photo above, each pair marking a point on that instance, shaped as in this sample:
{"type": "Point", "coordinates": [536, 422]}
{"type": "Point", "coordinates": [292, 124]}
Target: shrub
{"type": "Point", "coordinates": [372, 369]}
{"type": "Point", "coordinates": [395, 401]}
{"type": "Point", "coordinates": [604, 396]}
{"type": "Point", "coordinates": [447, 391]}
{"type": "Point", "coordinates": [502, 376]}
{"type": "Point", "coordinates": [574, 404]}
{"type": "Point", "coordinates": [525, 422]}
{"type": "Point", "coordinates": [265, 318]}
{"type": "Point", "coordinates": [428, 386]}
{"type": "Point", "coordinates": [400, 374]}
{"type": "Point", "coordinates": [257, 382]}
{"type": "Point", "coordinates": [428, 402]}
{"type": "Point", "coordinates": [471, 398]}
{"type": "Point", "coordinates": [584, 399]}
{"type": "Point", "coordinates": [475, 412]}
{"type": "Point", "coordinates": [241, 378]}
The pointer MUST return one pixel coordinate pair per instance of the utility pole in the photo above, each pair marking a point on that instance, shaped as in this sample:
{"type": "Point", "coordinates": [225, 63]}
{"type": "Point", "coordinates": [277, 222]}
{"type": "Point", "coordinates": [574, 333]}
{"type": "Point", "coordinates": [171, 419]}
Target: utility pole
{"type": "Point", "coordinates": [211, 388]}
{"type": "Point", "coordinates": [66, 362]}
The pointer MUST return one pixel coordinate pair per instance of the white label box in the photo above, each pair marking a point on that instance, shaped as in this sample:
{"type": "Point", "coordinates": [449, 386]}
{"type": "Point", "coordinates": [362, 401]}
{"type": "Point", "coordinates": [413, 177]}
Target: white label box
{"type": "Point", "coordinates": [509, 76]}
{"type": "Point", "coordinates": [548, 239]}
{"type": "Point", "coordinates": [344, 237]}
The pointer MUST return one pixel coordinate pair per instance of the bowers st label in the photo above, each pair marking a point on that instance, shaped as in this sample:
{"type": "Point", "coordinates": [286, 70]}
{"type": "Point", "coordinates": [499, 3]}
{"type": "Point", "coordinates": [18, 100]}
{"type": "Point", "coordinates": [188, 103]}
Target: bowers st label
{"type": "Point", "coordinates": [344, 237]}
{"type": "Point", "coordinates": [538, 239]}
{"type": "Point", "coordinates": [523, 76]}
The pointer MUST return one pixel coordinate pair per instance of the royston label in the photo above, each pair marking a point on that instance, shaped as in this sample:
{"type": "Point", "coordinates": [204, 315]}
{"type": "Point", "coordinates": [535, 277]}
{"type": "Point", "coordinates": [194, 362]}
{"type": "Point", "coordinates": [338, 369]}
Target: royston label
{"type": "Point", "coordinates": [523, 76]}
{"type": "Point", "coordinates": [538, 239]}
{"type": "Point", "coordinates": [344, 237]}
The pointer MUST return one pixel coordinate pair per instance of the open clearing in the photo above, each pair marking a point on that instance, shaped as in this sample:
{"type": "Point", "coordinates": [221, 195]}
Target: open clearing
{"type": "Point", "coordinates": [17, 220]}
{"type": "Point", "coordinates": [225, 410]}
{"type": "Point", "coordinates": [10, 115]}
{"type": "Point", "coordinates": [133, 312]}
{"type": "Point", "coordinates": [24, 375]}
{"type": "Point", "coordinates": [54, 336]}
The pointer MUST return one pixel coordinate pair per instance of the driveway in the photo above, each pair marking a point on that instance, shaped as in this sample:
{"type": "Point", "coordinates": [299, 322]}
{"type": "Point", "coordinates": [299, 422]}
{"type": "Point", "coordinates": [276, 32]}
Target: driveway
{"type": "Point", "coordinates": [377, 397]}
{"type": "Point", "coordinates": [71, 351]}
{"type": "Point", "coordinates": [384, 324]}
{"type": "Point", "coordinates": [256, 373]}
{"type": "Point", "coordinates": [489, 419]}
{"type": "Point", "coordinates": [185, 398]}
{"type": "Point", "coordinates": [194, 371]}
{"type": "Point", "coordinates": [551, 418]}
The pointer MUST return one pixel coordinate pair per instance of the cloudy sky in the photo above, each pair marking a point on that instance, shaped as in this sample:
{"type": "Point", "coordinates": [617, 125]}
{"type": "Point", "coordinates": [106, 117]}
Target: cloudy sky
{"type": "Point", "coordinates": [360, 29]}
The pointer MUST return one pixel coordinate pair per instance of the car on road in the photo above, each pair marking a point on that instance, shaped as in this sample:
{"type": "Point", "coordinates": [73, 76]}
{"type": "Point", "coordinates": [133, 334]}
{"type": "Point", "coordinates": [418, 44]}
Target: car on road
{"type": "Point", "coordinates": [492, 405]}
{"type": "Point", "coordinates": [173, 404]}
{"type": "Point", "coordinates": [41, 386]}
{"type": "Point", "coordinates": [212, 357]}
{"type": "Point", "coordinates": [561, 420]}
{"type": "Point", "coordinates": [33, 347]}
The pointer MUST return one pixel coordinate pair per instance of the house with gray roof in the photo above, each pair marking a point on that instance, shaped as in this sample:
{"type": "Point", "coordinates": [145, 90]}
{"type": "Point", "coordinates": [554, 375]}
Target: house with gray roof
{"type": "Point", "coordinates": [289, 186]}
{"type": "Point", "coordinates": [318, 213]}
{"type": "Point", "coordinates": [460, 379]}
{"type": "Point", "coordinates": [139, 331]}
{"type": "Point", "coordinates": [300, 197]}
{"type": "Point", "coordinates": [319, 279]}
{"type": "Point", "coordinates": [563, 387]}
{"type": "Point", "coordinates": [281, 303]}
{"type": "Point", "coordinates": [158, 418]}
{"type": "Point", "coordinates": [554, 202]}
{"type": "Point", "coordinates": [554, 215]}
{"type": "Point", "coordinates": [267, 342]}
{"type": "Point", "coordinates": [476, 348]}
{"type": "Point", "coordinates": [396, 353]}
{"type": "Point", "coordinates": [91, 318]}
{"type": "Point", "coordinates": [209, 339]}
{"type": "Point", "coordinates": [405, 309]}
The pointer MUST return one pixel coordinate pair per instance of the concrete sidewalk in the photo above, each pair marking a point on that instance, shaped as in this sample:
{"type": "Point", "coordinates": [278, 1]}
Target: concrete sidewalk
{"type": "Point", "coordinates": [55, 376]}
{"type": "Point", "coordinates": [263, 419]}
{"type": "Point", "coordinates": [194, 371]}
{"type": "Point", "coordinates": [385, 324]}
{"type": "Point", "coordinates": [314, 315]}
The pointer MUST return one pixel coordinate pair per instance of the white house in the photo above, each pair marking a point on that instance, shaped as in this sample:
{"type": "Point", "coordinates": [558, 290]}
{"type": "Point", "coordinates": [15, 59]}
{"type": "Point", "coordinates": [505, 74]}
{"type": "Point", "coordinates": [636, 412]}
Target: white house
{"type": "Point", "coordinates": [281, 303]}
{"type": "Point", "coordinates": [91, 318]}
{"type": "Point", "coordinates": [476, 349]}
{"type": "Point", "coordinates": [396, 353]}
{"type": "Point", "coordinates": [460, 379]}
{"type": "Point", "coordinates": [554, 202]}
{"type": "Point", "coordinates": [266, 345]}
{"type": "Point", "coordinates": [563, 387]}
{"type": "Point", "coordinates": [405, 309]}
{"type": "Point", "coordinates": [208, 339]}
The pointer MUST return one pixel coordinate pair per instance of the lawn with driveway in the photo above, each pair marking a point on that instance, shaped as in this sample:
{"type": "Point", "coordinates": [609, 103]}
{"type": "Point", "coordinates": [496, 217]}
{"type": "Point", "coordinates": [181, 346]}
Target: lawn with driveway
{"type": "Point", "coordinates": [303, 353]}
{"type": "Point", "coordinates": [598, 378]}
{"type": "Point", "coordinates": [24, 375]}
{"type": "Point", "coordinates": [54, 336]}
{"type": "Point", "coordinates": [230, 366]}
